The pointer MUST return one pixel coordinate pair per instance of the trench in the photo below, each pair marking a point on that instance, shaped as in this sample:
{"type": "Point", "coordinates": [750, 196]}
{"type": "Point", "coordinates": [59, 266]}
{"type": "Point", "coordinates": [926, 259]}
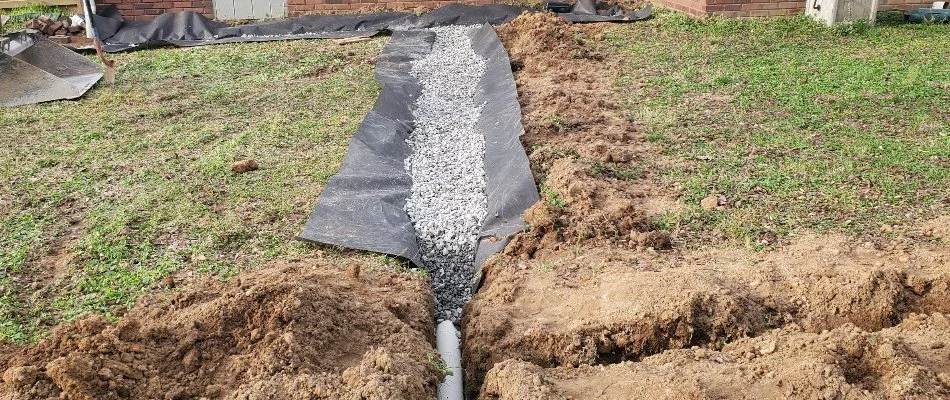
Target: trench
{"type": "Point", "coordinates": [436, 174]}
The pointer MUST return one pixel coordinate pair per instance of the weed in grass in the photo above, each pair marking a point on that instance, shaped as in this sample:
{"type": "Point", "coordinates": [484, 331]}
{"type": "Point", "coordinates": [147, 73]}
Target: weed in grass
{"type": "Point", "coordinates": [560, 124]}
{"type": "Point", "coordinates": [553, 197]}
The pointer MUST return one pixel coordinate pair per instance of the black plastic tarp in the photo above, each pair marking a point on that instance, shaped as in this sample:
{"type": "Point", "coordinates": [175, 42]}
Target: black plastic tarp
{"type": "Point", "coordinates": [193, 29]}
{"type": "Point", "coordinates": [362, 207]}
{"type": "Point", "coordinates": [592, 11]}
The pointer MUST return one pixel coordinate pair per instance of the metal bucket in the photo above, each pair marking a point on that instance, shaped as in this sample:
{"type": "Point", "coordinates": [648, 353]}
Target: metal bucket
{"type": "Point", "coordinates": [34, 69]}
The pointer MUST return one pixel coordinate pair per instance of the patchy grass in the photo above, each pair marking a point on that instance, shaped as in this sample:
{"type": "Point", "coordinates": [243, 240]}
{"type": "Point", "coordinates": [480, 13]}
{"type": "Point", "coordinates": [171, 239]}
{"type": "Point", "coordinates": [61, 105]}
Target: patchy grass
{"type": "Point", "coordinates": [799, 126]}
{"type": "Point", "coordinates": [103, 198]}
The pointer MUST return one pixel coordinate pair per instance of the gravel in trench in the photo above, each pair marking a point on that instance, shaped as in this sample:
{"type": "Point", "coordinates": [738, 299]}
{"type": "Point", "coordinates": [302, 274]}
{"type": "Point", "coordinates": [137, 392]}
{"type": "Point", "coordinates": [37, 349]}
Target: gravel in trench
{"type": "Point", "coordinates": [447, 202]}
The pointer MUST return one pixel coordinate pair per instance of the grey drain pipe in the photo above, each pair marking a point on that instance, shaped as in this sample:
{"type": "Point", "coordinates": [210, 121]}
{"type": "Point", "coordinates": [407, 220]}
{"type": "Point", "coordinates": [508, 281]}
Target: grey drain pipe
{"type": "Point", "coordinates": [449, 346]}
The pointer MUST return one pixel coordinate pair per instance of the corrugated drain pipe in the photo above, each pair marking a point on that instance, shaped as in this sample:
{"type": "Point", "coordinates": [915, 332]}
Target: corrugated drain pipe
{"type": "Point", "coordinates": [449, 346]}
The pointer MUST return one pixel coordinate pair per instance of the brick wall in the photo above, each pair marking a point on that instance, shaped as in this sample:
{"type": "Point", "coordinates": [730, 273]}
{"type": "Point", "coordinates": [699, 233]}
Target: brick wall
{"type": "Point", "coordinates": [301, 7]}
{"type": "Point", "coordinates": [763, 8]}
{"type": "Point", "coordinates": [148, 9]}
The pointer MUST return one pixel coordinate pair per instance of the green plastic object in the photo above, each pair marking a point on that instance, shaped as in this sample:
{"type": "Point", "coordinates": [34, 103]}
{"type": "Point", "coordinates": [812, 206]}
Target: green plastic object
{"type": "Point", "coordinates": [929, 14]}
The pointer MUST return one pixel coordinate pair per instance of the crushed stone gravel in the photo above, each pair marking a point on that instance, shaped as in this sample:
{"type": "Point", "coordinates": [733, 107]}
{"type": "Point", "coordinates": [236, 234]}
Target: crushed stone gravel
{"type": "Point", "coordinates": [447, 202]}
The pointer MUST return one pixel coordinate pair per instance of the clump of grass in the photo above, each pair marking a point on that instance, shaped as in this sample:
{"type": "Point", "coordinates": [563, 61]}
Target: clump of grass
{"type": "Point", "coordinates": [553, 197]}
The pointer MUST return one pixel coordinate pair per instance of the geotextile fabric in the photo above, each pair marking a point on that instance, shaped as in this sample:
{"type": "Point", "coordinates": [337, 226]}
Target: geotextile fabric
{"type": "Point", "coordinates": [363, 205]}
{"type": "Point", "coordinates": [192, 29]}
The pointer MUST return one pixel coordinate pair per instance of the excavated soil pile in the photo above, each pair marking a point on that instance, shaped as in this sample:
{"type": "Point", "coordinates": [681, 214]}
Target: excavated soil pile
{"type": "Point", "coordinates": [304, 330]}
{"type": "Point", "coordinates": [583, 149]}
{"type": "Point", "coordinates": [589, 303]}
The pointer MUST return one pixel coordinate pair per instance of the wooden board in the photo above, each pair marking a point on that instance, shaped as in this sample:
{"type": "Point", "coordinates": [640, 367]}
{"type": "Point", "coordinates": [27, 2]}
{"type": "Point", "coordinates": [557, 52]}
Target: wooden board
{"type": "Point", "coordinates": [23, 3]}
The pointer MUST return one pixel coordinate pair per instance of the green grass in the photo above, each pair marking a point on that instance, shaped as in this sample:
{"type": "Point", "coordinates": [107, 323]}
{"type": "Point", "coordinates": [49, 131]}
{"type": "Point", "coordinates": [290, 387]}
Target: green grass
{"type": "Point", "coordinates": [103, 198]}
{"type": "Point", "coordinates": [801, 127]}
{"type": "Point", "coordinates": [19, 16]}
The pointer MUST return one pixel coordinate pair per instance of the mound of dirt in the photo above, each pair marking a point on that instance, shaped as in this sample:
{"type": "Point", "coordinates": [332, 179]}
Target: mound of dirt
{"type": "Point", "coordinates": [302, 330]}
{"type": "Point", "coordinates": [590, 306]}
{"type": "Point", "coordinates": [584, 148]}
{"type": "Point", "coordinates": [908, 361]}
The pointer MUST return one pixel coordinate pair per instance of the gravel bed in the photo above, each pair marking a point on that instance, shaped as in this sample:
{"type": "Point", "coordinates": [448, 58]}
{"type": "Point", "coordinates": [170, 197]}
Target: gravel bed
{"type": "Point", "coordinates": [447, 203]}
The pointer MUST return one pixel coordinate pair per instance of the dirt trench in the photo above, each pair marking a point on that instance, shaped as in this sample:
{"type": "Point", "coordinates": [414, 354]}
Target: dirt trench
{"type": "Point", "coordinates": [592, 301]}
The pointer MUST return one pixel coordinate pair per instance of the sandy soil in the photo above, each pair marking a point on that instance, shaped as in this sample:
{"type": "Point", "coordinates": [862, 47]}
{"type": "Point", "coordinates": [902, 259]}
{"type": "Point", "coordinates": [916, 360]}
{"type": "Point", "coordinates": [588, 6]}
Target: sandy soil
{"type": "Point", "coordinates": [591, 302]}
{"type": "Point", "coordinates": [301, 330]}
{"type": "Point", "coordinates": [908, 361]}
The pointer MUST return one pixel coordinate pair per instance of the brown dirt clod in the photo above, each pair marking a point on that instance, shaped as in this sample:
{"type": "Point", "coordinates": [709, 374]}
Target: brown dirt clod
{"type": "Point", "coordinates": [242, 166]}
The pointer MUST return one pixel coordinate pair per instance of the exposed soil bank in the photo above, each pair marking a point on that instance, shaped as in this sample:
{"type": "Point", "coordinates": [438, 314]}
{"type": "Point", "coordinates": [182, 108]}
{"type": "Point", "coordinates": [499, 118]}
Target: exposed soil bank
{"type": "Point", "coordinates": [303, 330]}
{"type": "Point", "coordinates": [602, 306]}
{"type": "Point", "coordinates": [589, 303]}
{"type": "Point", "coordinates": [908, 361]}
{"type": "Point", "coordinates": [584, 150]}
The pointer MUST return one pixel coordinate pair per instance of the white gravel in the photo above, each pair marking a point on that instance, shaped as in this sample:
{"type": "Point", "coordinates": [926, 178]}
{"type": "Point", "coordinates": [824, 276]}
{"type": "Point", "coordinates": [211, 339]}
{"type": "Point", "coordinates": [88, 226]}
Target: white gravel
{"type": "Point", "coordinates": [447, 203]}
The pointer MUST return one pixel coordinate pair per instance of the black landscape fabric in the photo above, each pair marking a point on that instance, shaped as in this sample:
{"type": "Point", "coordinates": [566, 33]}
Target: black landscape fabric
{"type": "Point", "coordinates": [363, 205]}
{"type": "Point", "coordinates": [193, 29]}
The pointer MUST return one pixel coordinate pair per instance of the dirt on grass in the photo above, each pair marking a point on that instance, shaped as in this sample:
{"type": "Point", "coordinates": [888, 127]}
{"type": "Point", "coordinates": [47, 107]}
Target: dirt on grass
{"type": "Point", "coordinates": [299, 330]}
{"type": "Point", "coordinates": [584, 150]}
{"type": "Point", "coordinates": [592, 302]}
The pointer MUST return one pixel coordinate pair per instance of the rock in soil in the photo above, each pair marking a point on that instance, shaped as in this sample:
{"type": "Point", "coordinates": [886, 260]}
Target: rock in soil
{"type": "Point", "coordinates": [240, 167]}
{"type": "Point", "coordinates": [290, 331]}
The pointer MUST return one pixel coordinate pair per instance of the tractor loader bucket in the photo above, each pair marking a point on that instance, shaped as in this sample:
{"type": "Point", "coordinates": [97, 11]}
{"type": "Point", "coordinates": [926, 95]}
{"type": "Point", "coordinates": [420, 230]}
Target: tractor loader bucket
{"type": "Point", "coordinates": [34, 69]}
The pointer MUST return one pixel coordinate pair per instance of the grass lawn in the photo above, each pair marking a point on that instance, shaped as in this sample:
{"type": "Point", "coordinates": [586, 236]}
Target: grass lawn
{"type": "Point", "coordinates": [103, 198]}
{"type": "Point", "coordinates": [798, 126]}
